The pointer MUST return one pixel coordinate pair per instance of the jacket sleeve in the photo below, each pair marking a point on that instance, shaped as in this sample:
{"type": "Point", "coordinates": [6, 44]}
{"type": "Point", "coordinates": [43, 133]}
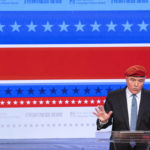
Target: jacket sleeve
{"type": "Point", "coordinates": [107, 107]}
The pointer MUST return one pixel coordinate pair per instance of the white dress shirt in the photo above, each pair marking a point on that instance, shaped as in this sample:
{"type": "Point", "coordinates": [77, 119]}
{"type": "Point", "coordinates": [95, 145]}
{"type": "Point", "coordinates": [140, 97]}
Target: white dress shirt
{"type": "Point", "coordinates": [129, 102]}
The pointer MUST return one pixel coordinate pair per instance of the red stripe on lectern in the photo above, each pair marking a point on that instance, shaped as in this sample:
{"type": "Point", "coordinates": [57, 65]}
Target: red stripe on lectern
{"type": "Point", "coordinates": [70, 63]}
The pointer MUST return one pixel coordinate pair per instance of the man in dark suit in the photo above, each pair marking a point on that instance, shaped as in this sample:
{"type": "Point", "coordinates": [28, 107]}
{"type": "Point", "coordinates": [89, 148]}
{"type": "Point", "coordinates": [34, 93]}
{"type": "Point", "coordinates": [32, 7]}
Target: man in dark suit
{"type": "Point", "coordinates": [127, 109]}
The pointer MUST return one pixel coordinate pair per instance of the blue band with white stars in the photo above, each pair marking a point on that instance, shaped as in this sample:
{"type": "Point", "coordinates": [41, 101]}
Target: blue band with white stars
{"type": "Point", "coordinates": [74, 27]}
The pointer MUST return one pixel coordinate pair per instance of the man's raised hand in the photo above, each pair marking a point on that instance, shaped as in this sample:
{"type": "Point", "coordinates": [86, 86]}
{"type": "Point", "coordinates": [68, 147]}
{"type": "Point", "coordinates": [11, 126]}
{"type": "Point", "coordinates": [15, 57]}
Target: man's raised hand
{"type": "Point", "coordinates": [101, 114]}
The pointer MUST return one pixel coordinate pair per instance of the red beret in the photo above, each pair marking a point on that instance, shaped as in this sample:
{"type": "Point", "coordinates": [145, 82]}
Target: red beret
{"type": "Point", "coordinates": [136, 71]}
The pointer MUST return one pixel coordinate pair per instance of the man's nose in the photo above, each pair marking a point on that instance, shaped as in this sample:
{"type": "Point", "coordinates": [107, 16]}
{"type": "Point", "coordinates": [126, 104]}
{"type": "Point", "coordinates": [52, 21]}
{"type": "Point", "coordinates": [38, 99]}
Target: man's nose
{"type": "Point", "coordinates": [136, 83]}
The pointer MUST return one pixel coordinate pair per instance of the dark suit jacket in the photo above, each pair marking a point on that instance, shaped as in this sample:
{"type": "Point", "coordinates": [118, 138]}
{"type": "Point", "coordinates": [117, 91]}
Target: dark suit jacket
{"type": "Point", "coordinates": [117, 102]}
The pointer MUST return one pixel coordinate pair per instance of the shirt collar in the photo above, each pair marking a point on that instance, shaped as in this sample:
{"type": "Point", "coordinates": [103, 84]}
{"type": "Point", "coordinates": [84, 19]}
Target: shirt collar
{"type": "Point", "coordinates": [129, 94]}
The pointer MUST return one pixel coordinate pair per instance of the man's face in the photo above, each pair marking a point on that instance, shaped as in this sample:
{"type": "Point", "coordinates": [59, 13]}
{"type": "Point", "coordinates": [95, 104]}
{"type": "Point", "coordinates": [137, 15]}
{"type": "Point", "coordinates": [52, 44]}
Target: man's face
{"type": "Point", "coordinates": [135, 84]}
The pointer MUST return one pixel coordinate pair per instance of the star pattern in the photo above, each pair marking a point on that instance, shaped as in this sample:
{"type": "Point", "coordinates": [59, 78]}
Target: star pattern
{"type": "Point", "coordinates": [95, 26]}
{"type": "Point", "coordinates": [127, 26]}
{"type": "Point", "coordinates": [59, 95]}
{"type": "Point", "coordinates": [47, 27]}
{"type": "Point", "coordinates": [79, 26]}
{"type": "Point", "coordinates": [63, 27]}
{"type": "Point", "coordinates": [41, 102]}
{"type": "Point", "coordinates": [109, 90]}
{"type": "Point", "coordinates": [73, 101]}
{"type": "Point", "coordinates": [53, 91]}
{"type": "Point", "coordinates": [15, 27]}
{"type": "Point", "coordinates": [1, 27]}
{"type": "Point", "coordinates": [76, 90]}
{"type": "Point", "coordinates": [143, 26]}
{"type": "Point", "coordinates": [111, 26]}
{"type": "Point", "coordinates": [33, 125]}
{"type": "Point", "coordinates": [87, 90]}
{"type": "Point", "coordinates": [64, 90]}
{"type": "Point", "coordinates": [57, 90]}
{"type": "Point", "coordinates": [42, 91]}
{"type": "Point", "coordinates": [47, 102]}
{"type": "Point", "coordinates": [31, 27]}
{"type": "Point", "coordinates": [8, 91]}
{"type": "Point", "coordinates": [31, 91]}
{"type": "Point", "coordinates": [19, 91]}
{"type": "Point", "coordinates": [98, 90]}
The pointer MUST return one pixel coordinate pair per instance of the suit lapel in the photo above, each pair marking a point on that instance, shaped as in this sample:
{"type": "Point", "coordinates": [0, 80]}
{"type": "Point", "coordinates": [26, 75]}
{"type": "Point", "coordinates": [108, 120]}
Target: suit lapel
{"type": "Point", "coordinates": [141, 108]}
{"type": "Point", "coordinates": [124, 108]}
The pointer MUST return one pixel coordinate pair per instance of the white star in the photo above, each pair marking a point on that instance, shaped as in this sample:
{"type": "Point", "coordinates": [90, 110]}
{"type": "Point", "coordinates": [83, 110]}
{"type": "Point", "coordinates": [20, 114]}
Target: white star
{"type": "Point", "coordinates": [111, 26]}
{"type": "Point", "coordinates": [79, 27]}
{"type": "Point", "coordinates": [21, 102]}
{"type": "Point", "coordinates": [127, 26]}
{"type": "Point", "coordinates": [92, 101]}
{"type": "Point", "coordinates": [34, 102]}
{"type": "Point", "coordinates": [15, 102]}
{"type": "Point", "coordinates": [104, 100]}
{"type": "Point", "coordinates": [48, 27]}
{"type": "Point", "coordinates": [54, 102]}
{"type": "Point", "coordinates": [60, 102]}
{"type": "Point", "coordinates": [28, 102]}
{"type": "Point", "coordinates": [73, 101]}
{"type": "Point", "coordinates": [31, 27]}
{"type": "Point", "coordinates": [63, 27]}
{"type": "Point", "coordinates": [86, 101]}
{"type": "Point", "coordinates": [98, 101]}
{"type": "Point", "coordinates": [143, 26]}
{"type": "Point", "coordinates": [79, 101]}
{"type": "Point", "coordinates": [95, 26]}
{"type": "Point", "coordinates": [1, 27]}
{"type": "Point", "coordinates": [2, 102]}
{"type": "Point", "coordinates": [15, 27]}
{"type": "Point", "coordinates": [66, 102]}
{"type": "Point", "coordinates": [41, 102]}
{"type": "Point", "coordinates": [8, 102]}
{"type": "Point", "coordinates": [47, 102]}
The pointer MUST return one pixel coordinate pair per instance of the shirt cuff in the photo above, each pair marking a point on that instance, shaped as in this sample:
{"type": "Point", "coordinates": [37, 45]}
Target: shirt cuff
{"type": "Point", "coordinates": [103, 123]}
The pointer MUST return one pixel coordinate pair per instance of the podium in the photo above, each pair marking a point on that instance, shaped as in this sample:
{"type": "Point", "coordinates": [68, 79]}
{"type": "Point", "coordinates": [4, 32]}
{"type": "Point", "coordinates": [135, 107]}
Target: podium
{"type": "Point", "coordinates": [54, 144]}
{"type": "Point", "coordinates": [121, 139]}
{"type": "Point", "coordinates": [100, 142]}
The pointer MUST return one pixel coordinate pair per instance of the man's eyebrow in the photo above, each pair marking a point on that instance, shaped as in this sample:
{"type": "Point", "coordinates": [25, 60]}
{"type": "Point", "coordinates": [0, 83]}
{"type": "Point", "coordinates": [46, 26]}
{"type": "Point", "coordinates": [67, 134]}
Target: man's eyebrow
{"type": "Point", "coordinates": [141, 79]}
